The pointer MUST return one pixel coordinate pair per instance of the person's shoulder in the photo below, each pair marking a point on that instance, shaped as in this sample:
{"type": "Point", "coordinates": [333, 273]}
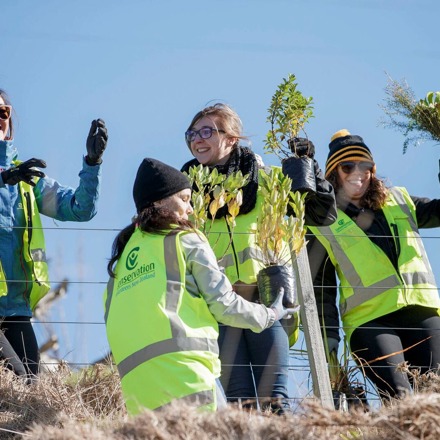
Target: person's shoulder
{"type": "Point", "coordinates": [192, 237]}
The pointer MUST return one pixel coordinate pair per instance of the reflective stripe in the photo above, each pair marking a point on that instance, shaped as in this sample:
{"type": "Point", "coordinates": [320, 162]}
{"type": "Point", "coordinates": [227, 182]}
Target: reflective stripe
{"type": "Point", "coordinates": [364, 293]}
{"type": "Point", "coordinates": [165, 347]}
{"type": "Point", "coordinates": [179, 341]}
{"type": "Point", "coordinates": [33, 245]}
{"type": "Point", "coordinates": [403, 205]}
{"type": "Point", "coordinates": [110, 289]}
{"type": "Point", "coordinates": [418, 278]}
{"type": "Point", "coordinates": [38, 255]}
{"type": "Point", "coordinates": [201, 398]}
{"type": "Point", "coordinates": [174, 284]}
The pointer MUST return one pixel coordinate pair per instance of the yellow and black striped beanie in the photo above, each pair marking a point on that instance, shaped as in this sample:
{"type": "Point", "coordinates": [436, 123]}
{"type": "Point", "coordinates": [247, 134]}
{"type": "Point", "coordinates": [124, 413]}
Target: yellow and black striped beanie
{"type": "Point", "coordinates": [344, 147]}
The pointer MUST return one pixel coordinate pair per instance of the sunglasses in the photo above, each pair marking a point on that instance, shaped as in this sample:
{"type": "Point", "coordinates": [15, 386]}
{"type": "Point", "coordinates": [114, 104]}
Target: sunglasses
{"type": "Point", "coordinates": [5, 111]}
{"type": "Point", "coordinates": [204, 133]}
{"type": "Point", "coordinates": [349, 167]}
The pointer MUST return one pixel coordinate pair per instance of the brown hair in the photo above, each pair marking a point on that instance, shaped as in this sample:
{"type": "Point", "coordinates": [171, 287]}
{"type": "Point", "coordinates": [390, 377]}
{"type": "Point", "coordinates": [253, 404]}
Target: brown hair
{"type": "Point", "coordinates": [155, 220]}
{"type": "Point", "coordinates": [375, 196]}
{"type": "Point", "coordinates": [5, 97]}
{"type": "Point", "coordinates": [230, 122]}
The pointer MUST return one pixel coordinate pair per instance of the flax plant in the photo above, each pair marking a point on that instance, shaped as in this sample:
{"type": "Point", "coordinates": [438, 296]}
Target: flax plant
{"type": "Point", "coordinates": [418, 120]}
{"type": "Point", "coordinates": [289, 111]}
{"type": "Point", "coordinates": [212, 191]}
{"type": "Point", "coordinates": [278, 234]}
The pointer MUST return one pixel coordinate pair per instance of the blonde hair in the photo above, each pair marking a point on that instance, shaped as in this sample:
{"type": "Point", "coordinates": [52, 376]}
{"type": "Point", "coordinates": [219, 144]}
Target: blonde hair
{"type": "Point", "coordinates": [228, 120]}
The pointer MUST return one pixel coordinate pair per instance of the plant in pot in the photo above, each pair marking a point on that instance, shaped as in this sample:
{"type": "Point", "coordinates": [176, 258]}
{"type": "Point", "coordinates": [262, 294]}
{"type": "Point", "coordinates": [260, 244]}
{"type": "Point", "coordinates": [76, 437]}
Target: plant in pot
{"type": "Point", "coordinates": [279, 237]}
{"type": "Point", "coordinates": [289, 112]}
{"type": "Point", "coordinates": [349, 393]}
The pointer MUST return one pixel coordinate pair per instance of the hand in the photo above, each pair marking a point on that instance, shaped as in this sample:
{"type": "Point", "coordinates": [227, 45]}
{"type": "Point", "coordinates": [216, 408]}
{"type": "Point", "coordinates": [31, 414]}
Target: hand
{"type": "Point", "coordinates": [24, 172]}
{"type": "Point", "coordinates": [282, 312]}
{"type": "Point", "coordinates": [96, 142]}
{"type": "Point", "coordinates": [302, 147]}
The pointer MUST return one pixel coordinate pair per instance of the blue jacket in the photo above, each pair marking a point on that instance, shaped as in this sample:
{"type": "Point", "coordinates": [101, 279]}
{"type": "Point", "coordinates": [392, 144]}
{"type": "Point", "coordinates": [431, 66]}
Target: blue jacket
{"type": "Point", "coordinates": [53, 200]}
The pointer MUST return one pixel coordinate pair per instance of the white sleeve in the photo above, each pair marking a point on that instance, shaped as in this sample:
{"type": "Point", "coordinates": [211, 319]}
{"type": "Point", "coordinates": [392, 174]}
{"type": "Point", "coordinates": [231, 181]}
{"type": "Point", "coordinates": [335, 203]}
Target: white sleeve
{"type": "Point", "coordinates": [204, 278]}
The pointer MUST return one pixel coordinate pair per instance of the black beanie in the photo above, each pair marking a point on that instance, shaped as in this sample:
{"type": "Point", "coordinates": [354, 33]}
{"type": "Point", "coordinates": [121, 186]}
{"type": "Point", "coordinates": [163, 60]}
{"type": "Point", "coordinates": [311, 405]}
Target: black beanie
{"type": "Point", "coordinates": [155, 181]}
{"type": "Point", "coordinates": [344, 147]}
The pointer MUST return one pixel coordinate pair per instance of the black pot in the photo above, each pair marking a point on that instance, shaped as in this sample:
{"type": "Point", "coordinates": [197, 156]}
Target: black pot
{"type": "Point", "coordinates": [302, 172]}
{"type": "Point", "coordinates": [353, 399]}
{"type": "Point", "coordinates": [269, 281]}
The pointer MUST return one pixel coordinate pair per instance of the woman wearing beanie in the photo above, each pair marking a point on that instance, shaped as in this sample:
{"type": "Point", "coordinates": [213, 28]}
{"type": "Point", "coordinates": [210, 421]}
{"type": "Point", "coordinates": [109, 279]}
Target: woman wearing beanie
{"type": "Point", "coordinates": [253, 365]}
{"type": "Point", "coordinates": [165, 296]}
{"type": "Point", "coordinates": [388, 295]}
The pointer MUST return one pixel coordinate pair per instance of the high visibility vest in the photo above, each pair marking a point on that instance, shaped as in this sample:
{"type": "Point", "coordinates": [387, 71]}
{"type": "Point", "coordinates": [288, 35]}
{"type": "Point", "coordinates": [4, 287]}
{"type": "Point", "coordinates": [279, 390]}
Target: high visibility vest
{"type": "Point", "coordinates": [34, 251]}
{"type": "Point", "coordinates": [163, 339]}
{"type": "Point", "coordinates": [369, 284]}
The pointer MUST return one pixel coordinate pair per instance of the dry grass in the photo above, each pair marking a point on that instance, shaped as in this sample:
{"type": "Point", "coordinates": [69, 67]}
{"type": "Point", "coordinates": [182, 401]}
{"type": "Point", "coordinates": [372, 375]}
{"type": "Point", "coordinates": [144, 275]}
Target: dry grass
{"type": "Point", "coordinates": [88, 405]}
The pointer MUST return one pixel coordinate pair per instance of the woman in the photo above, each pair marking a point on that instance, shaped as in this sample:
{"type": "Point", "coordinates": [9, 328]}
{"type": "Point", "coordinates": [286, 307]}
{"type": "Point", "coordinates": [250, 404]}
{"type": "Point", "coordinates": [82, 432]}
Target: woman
{"type": "Point", "coordinates": [165, 296]}
{"type": "Point", "coordinates": [25, 193]}
{"type": "Point", "coordinates": [388, 296]}
{"type": "Point", "coordinates": [252, 365]}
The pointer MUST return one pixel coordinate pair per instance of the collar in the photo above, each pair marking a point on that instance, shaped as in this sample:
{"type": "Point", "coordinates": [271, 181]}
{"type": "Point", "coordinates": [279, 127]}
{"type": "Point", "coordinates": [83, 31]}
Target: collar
{"type": "Point", "coordinates": [8, 153]}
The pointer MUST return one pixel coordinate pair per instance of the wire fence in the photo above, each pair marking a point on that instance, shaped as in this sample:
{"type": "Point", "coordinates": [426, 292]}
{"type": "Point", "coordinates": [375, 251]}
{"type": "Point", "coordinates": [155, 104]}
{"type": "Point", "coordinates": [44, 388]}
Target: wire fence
{"type": "Point", "coordinates": [51, 325]}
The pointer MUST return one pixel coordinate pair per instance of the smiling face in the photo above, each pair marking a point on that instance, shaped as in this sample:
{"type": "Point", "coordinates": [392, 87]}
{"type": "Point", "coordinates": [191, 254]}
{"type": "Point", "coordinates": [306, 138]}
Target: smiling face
{"type": "Point", "coordinates": [4, 125]}
{"type": "Point", "coordinates": [179, 204]}
{"type": "Point", "coordinates": [215, 150]}
{"type": "Point", "coordinates": [354, 184]}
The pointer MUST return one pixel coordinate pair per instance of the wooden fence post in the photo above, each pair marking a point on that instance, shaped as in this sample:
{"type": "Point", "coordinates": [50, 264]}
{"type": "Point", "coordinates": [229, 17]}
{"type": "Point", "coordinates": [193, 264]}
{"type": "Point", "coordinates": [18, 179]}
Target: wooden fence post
{"type": "Point", "coordinates": [312, 330]}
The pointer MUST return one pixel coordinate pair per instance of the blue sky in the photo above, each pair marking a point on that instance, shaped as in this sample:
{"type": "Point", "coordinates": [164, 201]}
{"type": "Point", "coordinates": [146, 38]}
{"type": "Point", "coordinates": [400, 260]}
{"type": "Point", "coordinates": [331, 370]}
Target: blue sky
{"type": "Point", "coordinates": [146, 67]}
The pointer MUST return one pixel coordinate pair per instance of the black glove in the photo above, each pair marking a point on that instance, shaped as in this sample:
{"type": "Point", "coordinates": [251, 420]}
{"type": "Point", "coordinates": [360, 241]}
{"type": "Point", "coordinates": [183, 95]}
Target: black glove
{"type": "Point", "coordinates": [96, 142]}
{"type": "Point", "coordinates": [24, 172]}
{"type": "Point", "coordinates": [302, 147]}
{"type": "Point", "coordinates": [282, 312]}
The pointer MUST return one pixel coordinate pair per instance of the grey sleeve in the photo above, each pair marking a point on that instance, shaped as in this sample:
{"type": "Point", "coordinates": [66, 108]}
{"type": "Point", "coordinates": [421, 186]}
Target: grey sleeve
{"type": "Point", "coordinates": [204, 278]}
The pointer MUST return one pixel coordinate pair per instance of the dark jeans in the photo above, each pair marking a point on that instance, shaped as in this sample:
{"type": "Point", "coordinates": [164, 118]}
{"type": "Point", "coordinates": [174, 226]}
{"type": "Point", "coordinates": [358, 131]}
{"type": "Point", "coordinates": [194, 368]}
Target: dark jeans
{"type": "Point", "coordinates": [394, 333]}
{"type": "Point", "coordinates": [255, 365]}
{"type": "Point", "coordinates": [21, 336]}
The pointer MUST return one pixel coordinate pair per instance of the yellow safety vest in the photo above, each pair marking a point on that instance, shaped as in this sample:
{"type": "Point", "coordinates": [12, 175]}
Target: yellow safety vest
{"type": "Point", "coordinates": [368, 291]}
{"type": "Point", "coordinates": [34, 251]}
{"type": "Point", "coordinates": [163, 339]}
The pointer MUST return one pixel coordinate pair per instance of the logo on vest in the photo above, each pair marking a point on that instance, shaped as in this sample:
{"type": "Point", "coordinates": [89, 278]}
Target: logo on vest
{"type": "Point", "coordinates": [342, 224]}
{"type": "Point", "coordinates": [132, 259]}
{"type": "Point", "coordinates": [137, 271]}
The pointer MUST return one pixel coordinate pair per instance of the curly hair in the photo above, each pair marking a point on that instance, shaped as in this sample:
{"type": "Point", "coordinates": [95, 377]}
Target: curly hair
{"type": "Point", "coordinates": [375, 196]}
{"type": "Point", "coordinates": [155, 220]}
